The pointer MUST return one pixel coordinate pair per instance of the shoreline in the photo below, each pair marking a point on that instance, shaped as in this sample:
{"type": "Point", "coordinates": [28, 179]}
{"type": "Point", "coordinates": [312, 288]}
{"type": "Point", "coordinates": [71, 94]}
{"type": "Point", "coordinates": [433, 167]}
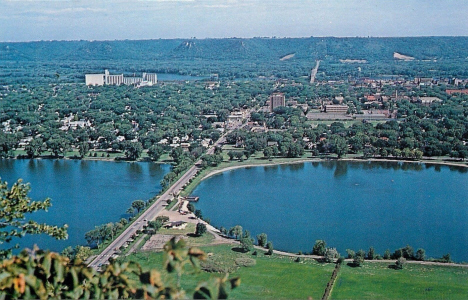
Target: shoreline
{"type": "Point", "coordinates": [266, 164]}
{"type": "Point", "coordinates": [463, 163]}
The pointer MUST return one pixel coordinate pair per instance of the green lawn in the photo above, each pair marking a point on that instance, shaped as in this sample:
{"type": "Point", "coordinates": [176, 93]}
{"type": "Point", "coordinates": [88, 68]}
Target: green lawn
{"type": "Point", "coordinates": [282, 278]}
{"type": "Point", "coordinates": [377, 281]}
{"type": "Point", "coordinates": [272, 277]}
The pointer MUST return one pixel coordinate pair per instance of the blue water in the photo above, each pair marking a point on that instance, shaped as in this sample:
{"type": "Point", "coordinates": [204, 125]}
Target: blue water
{"type": "Point", "coordinates": [350, 205]}
{"type": "Point", "coordinates": [178, 77]}
{"type": "Point", "coordinates": [83, 193]}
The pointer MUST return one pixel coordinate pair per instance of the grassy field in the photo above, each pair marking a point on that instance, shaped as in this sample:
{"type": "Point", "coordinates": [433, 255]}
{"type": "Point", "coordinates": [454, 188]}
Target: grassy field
{"type": "Point", "coordinates": [280, 277]}
{"type": "Point", "coordinates": [272, 277]}
{"type": "Point", "coordinates": [378, 281]}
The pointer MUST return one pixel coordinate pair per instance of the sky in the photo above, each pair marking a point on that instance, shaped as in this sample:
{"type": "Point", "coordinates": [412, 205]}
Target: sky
{"type": "Point", "coordinates": [33, 20]}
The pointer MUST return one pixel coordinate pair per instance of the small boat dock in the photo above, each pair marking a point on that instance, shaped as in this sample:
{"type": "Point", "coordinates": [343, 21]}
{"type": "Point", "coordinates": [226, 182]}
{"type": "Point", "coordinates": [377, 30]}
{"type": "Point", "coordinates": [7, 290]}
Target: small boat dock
{"type": "Point", "coordinates": [192, 199]}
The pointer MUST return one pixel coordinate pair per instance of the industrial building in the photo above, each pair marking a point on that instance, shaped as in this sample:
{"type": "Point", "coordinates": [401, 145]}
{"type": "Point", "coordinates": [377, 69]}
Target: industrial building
{"type": "Point", "coordinates": [336, 109]}
{"type": "Point", "coordinates": [147, 79]}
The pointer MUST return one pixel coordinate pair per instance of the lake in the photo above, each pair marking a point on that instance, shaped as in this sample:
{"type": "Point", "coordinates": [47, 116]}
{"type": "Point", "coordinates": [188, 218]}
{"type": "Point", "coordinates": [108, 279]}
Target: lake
{"type": "Point", "coordinates": [350, 205]}
{"type": "Point", "coordinates": [84, 193]}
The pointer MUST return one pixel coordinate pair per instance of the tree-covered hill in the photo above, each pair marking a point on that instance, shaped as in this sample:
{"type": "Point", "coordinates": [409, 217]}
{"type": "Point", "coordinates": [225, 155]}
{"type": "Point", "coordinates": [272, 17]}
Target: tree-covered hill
{"type": "Point", "coordinates": [236, 48]}
{"type": "Point", "coordinates": [68, 61]}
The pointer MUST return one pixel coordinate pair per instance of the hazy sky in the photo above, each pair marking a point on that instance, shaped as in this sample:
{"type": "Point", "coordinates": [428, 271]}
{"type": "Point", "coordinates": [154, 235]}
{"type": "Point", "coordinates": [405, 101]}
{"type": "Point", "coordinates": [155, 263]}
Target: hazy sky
{"type": "Point", "coordinates": [25, 20]}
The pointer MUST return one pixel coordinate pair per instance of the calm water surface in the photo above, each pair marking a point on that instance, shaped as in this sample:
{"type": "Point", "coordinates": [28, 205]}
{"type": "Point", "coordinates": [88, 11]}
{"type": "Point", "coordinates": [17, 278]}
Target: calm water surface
{"type": "Point", "coordinates": [351, 205]}
{"type": "Point", "coordinates": [178, 77]}
{"type": "Point", "coordinates": [83, 193]}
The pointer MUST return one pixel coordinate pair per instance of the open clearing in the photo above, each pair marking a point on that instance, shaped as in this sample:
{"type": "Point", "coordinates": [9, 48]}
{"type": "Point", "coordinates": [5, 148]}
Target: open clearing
{"type": "Point", "coordinates": [397, 55]}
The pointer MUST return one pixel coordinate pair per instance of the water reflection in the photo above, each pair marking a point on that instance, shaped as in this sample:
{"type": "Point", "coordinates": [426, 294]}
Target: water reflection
{"type": "Point", "coordinates": [32, 164]}
{"type": "Point", "coordinates": [84, 165]}
{"type": "Point", "coordinates": [135, 169]}
{"type": "Point", "coordinates": [154, 167]}
{"type": "Point", "coordinates": [458, 169]}
{"type": "Point", "coordinates": [6, 164]}
{"type": "Point", "coordinates": [329, 164]}
{"type": "Point", "coordinates": [58, 165]}
{"type": "Point", "coordinates": [296, 167]}
{"type": "Point", "coordinates": [341, 169]}
{"type": "Point", "coordinates": [271, 168]}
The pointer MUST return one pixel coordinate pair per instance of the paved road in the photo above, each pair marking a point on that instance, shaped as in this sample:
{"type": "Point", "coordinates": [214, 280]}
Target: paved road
{"type": "Point", "coordinates": [313, 73]}
{"type": "Point", "coordinates": [151, 213]}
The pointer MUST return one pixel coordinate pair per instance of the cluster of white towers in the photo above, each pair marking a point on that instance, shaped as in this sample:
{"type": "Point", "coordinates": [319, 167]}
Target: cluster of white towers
{"type": "Point", "coordinates": [107, 79]}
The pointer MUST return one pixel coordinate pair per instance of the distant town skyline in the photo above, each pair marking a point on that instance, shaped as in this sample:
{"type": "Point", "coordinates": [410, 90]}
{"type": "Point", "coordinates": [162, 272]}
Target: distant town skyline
{"type": "Point", "coordinates": [33, 20]}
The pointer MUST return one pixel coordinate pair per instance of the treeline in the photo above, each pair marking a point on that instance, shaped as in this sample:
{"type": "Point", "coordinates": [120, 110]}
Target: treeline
{"type": "Point", "coordinates": [401, 255]}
